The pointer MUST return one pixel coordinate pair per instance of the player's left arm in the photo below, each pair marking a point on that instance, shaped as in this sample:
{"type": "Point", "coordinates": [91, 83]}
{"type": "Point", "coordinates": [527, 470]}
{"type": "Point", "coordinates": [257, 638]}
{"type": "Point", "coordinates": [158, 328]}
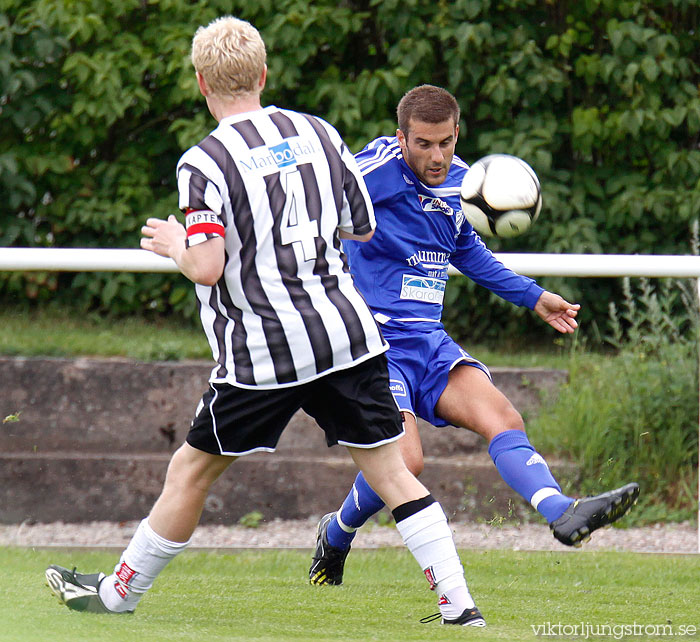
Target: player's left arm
{"type": "Point", "coordinates": [363, 238]}
{"type": "Point", "coordinates": [356, 221]}
{"type": "Point", "coordinates": [473, 259]}
{"type": "Point", "coordinates": [202, 263]}
{"type": "Point", "coordinates": [557, 312]}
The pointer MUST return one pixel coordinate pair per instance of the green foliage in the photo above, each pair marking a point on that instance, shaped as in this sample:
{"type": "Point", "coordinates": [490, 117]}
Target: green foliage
{"type": "Point", "coordinates": [634, 416]}
{"type": "Point", "coordinates": [98, 100]}
{"type": "Point", "coordinates": [12, 418]}
{"type": "Point", "coordinates": [252, 519]}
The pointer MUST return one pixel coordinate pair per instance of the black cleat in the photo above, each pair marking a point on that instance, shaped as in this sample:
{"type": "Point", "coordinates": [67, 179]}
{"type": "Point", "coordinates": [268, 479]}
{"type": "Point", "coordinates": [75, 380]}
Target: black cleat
{"type": "Point", "coordinates": [78, 591]}
{"type": "Point", "coordinates": [328, 561]}
{"type": "Point", "coordinates": [470, 617]}
{"type": "Point", "coordinates": [586, 515]}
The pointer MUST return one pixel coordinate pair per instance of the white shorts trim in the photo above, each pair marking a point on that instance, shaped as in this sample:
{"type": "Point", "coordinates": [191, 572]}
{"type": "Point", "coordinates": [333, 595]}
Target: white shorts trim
{"type": "Point", "coordinates": [374, 445]}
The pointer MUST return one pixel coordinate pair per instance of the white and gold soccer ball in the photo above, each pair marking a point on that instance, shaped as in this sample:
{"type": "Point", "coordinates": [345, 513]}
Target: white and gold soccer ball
{"type": "Point", "coordinates": [501, 195]}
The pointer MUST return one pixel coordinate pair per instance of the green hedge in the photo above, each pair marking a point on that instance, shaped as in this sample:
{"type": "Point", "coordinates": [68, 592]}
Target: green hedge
{"type": "Point", "coordinates": [98, 100]}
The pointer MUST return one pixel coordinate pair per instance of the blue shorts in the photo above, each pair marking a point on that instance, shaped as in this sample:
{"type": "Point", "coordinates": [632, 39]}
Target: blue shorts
{"type": "Point", "coordinates": [420, 361]}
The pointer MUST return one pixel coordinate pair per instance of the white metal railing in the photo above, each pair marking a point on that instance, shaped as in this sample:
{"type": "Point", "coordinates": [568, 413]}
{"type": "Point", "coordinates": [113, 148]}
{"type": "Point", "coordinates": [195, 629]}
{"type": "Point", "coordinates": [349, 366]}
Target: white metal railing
{"type": "Point", "coordinates": [585, 265]}
{"type": "Point", "coordinates": [579, 265]}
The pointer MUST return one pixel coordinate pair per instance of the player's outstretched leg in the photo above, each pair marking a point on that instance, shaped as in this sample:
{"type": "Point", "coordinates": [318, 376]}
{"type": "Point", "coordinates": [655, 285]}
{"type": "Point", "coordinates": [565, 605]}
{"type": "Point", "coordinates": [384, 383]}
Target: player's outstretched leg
{"type": "Point", "coordinates": [337, 530]}
{"type": "Point", "coordinates": [586, 515]}
{"type": "Point", "coordinates": [572, 521]}
{"type": "Point", "coordinates": [527, 473]}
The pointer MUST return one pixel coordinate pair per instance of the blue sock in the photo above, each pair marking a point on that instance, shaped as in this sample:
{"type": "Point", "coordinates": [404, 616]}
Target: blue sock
{"type": "Point", "coordinates": [527, 473]}
{"type": "Point", "coordinates": [360, 504]}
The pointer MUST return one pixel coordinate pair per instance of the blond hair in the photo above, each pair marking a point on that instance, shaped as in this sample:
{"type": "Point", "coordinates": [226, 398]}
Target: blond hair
{"type": "Point", "coordinates": [230, 55]}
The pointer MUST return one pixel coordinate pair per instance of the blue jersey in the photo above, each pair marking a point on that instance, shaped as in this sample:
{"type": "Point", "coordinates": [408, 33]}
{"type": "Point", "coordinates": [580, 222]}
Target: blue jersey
{"type": "Point", "coordinates": [402, 270]}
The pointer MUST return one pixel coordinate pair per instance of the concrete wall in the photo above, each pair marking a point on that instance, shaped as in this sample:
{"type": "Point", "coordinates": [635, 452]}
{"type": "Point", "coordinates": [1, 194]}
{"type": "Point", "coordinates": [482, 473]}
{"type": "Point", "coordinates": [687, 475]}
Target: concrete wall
{"type": "Point", "coordinates": [94, 437]}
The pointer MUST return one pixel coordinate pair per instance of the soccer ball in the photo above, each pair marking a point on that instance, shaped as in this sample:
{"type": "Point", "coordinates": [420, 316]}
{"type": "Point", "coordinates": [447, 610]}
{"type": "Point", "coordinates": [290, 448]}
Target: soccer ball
{"type": "Point", "coordinates": [500, 195]}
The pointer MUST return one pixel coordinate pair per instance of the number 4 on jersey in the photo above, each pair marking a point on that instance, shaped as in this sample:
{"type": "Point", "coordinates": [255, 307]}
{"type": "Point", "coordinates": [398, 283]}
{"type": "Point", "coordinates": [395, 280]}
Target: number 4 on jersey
{"type": "Point", "coordinates": [295, 226]}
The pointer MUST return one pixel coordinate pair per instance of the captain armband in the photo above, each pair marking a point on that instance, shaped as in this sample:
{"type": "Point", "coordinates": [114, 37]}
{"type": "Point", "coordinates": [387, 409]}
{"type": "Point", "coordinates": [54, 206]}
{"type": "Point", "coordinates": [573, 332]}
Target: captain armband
{"type": "Point", "coordinates": [202, 225]}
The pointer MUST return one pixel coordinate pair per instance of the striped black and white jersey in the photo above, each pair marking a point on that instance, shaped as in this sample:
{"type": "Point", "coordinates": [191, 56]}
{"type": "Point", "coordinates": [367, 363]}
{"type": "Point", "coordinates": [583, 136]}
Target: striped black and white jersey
{"type": "Point", "coordinates": [278, 185]}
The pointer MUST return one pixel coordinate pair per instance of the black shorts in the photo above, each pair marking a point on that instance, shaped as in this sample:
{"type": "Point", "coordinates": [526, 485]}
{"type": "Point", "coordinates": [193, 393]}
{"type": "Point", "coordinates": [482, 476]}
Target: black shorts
{"type": "Point", "coordinates": [354, 407]}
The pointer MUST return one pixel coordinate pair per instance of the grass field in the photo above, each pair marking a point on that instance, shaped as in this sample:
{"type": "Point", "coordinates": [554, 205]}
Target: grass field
{"type": "Point", "coordinates": [263, 595]}
{"type": "Point", "coordinates": [56, 332]}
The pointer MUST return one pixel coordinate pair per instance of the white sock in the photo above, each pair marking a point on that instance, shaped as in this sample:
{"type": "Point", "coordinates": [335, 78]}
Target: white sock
{"type": "Point", "coordinates": [143, 559]}
{"type": "Point", "coordinates": [428, 536]}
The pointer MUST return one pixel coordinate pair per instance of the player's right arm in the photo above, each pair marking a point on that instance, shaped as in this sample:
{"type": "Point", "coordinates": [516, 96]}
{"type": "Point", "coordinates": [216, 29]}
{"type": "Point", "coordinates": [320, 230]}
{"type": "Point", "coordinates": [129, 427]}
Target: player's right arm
{"type": "Point", "coordinates": [202, 263]}
{"type": "Point", "coordinates": [198, 247]}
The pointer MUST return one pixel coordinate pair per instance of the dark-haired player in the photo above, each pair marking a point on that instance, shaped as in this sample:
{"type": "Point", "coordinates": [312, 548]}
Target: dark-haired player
{"type": "Point", "coordinates": [414, 180]}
